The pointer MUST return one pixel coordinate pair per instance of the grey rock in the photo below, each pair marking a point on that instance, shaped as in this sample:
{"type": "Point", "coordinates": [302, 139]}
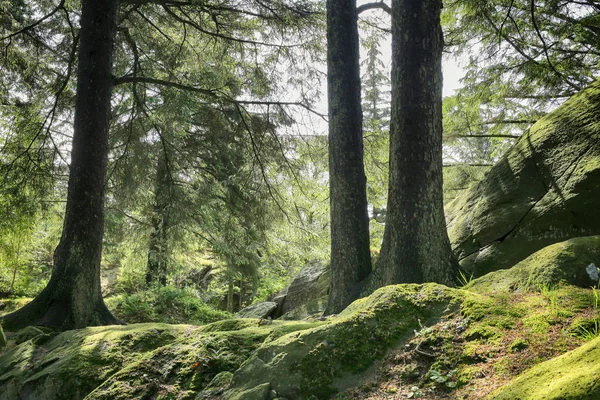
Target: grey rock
{"type": "Point", "coordinates": [311, 283]}
{"type": "Point", "coordinates": [543, 191]}
{"type": "Point", "coordinates": [258, 310]}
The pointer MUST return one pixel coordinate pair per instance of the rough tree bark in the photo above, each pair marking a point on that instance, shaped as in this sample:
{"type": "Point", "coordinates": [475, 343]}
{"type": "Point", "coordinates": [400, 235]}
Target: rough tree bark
{"type": "Point", "coordinates": [415, 246]}
{"type": "Point", "coordinates": [72, 298]}
{"type": "Point", "coordinates": [350, 254]}
{"type": "Point", "coordinates": [156, 268]}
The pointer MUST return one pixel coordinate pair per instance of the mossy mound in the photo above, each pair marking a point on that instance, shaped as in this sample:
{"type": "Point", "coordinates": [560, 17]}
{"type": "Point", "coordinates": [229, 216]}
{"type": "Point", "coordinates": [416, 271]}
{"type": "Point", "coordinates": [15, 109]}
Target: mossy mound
{"type": "Point", "coordinates": [135, 361]}
{"type": "Point", "coordinates": [432, 339]}
{"type": "Point", "coordinates": [324, 360]}
{"type": "Point", "coordinates": [573, 375]}
{"type": "Point", "coordinates": [543, 191]}
{"type": "Point", "coordinates": [574, 262]}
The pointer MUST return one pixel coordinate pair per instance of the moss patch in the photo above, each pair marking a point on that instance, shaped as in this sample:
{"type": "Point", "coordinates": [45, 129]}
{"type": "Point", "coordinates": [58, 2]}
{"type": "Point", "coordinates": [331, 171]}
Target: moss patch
{"type": "Point", "coordinates": [324, 360]}
{"type": "Point", "coordinates": [573, 375]}
{"type": "Point", "coordinates": [573, 261]}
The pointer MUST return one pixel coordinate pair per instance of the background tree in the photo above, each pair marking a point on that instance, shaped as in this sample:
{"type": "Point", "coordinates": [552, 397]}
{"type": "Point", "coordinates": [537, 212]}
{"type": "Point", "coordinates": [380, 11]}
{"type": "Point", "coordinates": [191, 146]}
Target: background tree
{"type": "Point", "coordinates": [522, 58]}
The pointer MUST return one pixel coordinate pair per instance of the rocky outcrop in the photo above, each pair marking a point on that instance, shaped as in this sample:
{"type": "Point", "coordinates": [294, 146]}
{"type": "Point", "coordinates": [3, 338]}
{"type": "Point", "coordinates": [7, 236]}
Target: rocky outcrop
{"type": "Point", "coordinates": [574, 262]}
{"type": "Point", "coordinates": [311, 283]}
{"type": "Point", "coordinates": [545, 190]}
{"type": "Point", "coordinates": [319, 362]}
{"type": "Point", "coordinates": [258, 310]}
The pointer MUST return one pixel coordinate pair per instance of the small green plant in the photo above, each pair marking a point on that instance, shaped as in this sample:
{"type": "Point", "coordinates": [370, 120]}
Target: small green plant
{"type": "Point", "coordinates": [463, 280]}
{"type": "Point", "coordinates": [596, 296]}
{"type": "Point", "coordinates": [443, 378]}
{"type": "Point", "coordinates": [591, 333]}
{"type": "Point", "coordinates": [166, 304]}
{"type": "Point", "coordinates": [415, 393]}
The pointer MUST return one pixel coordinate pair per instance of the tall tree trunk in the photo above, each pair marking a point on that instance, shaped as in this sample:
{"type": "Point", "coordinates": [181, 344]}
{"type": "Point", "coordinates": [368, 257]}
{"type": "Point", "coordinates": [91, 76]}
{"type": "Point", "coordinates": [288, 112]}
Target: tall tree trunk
{"type": "Point", "coordinates": [156, 268]}
{"type": "Point", "coordinates": [72, 298]}
{"type": "Point", "coordinates": [350, 253]}
{"type": "Point", "coordinates": [415, 244]}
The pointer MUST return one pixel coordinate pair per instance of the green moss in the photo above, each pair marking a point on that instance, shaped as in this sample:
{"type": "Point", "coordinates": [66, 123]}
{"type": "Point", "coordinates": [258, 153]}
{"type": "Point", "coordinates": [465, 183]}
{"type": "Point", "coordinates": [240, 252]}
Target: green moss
{"type": "Point", "coordinates": [518, 344]}
{"type": "Point", "coordinates": [322, 360]}
{"type": "Point", "coordinates": [564, 262]}
{"type": "Point", "coordinates": [481, 331]}
{"type": "Point", "coordinates": [573, 375]}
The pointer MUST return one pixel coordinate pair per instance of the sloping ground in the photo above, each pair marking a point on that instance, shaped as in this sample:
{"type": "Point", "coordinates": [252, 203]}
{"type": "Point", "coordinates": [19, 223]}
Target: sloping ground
{"type": "Point", "coordinates": [406, 341]}
{"type": "Point", "coordinates": [546, 189]}
{"type": "Point", "coordinates": [574, 375]}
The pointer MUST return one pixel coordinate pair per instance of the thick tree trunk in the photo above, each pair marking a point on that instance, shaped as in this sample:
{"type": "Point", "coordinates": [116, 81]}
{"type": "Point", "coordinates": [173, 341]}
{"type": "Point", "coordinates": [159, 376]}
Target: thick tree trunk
{"type": "Point", "coordinates": [415, 245]}
{"type": "Point", "coordinates": [72, 298]}
{"type": "Point", "coordinates": [156, 269]}
{"type": "Point", "coordinates": [350, 253]}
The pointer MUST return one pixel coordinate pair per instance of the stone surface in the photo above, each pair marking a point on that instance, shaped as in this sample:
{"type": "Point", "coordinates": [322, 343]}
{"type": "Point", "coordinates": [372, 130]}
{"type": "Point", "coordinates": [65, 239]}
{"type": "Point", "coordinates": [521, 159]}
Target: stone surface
{"type": "Point", "coordinates": [311, 283]}
{"type": "Point", "coordinates": [258, 310]}
{"type": "Point", "coordinates": [573, 262]}
{"type": "Point", "coordinates": [314, 308]}
{"type": "Point", "coordinates": [545, 190]}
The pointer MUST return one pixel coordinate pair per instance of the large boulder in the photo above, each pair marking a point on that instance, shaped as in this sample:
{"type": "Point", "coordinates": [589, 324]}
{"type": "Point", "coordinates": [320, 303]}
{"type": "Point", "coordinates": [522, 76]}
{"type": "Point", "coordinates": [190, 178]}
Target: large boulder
{"type": "Point", "coordinates": [311, 283]}
{"type": "Point", "coordinates": [545, 190]}
{"type": "Point", "coordinates": [258, 310]}
{"type": "Point", "coordinates": [574, 262]}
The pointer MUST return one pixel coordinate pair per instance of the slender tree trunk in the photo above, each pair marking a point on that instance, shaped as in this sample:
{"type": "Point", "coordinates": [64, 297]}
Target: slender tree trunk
{"type": "Point", "coordinates": [350, 253]}
{"type": "Point", "coordinates": [230, 295]}
{"type": "Point", "coordinates": [156, 269]}
{"type": "Point", "coordinates": [415, 245]}
{"type": "Point", "coordinates": [72, 298]}
{"type": "Point", "coordinates": [15, 270]}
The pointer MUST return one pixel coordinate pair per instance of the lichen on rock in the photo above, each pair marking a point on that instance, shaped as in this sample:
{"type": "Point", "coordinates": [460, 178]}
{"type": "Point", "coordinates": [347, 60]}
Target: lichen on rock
{"type": "Point", "coordinates": [543, 191]}
{"type": "Point", "coordinates": [565, 262]}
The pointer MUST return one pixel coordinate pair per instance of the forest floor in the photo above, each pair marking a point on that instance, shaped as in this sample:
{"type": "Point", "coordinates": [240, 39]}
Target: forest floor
{"type": "Point", "coordinates": [479, 344]}
{"type": "Point", "coordinates": [459, 358]}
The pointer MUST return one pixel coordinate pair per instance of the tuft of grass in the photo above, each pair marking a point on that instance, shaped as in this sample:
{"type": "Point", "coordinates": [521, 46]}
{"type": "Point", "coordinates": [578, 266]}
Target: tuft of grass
{"type": "Point", "coordinates": [463, 280]}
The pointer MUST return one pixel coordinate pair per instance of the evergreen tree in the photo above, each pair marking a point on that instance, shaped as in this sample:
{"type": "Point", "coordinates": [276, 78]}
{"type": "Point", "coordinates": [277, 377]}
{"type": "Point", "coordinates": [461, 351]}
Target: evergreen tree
{"type": "Point", "coordinates": [415, 245]}
{"type": "Point", "coordinates": [350, 255]}
{"type": "Point", "coordinates": [72, 298]}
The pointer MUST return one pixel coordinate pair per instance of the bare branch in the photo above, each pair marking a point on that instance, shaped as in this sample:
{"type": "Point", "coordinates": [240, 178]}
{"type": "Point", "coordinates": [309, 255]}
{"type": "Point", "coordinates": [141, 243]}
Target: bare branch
{"type": "Point", "coordinates": [371, 6]}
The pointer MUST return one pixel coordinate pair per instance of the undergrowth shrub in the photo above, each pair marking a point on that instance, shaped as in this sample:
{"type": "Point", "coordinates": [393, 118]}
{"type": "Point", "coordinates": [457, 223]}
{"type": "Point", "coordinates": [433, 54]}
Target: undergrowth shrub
{"type": "Point", "coordinates": [166, 304]}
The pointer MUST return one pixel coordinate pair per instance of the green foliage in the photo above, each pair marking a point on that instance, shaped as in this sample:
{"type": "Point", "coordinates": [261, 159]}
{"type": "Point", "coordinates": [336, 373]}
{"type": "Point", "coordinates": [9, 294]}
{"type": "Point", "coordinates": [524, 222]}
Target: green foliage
{"type": "Point", "coordinates": [164, 304]}
{"type": "Point", "coordinates": [522, 59]}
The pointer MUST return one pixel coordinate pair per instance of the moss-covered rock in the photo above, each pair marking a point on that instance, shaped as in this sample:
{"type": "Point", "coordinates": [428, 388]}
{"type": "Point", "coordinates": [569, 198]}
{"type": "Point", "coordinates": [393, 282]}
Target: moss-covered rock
{"type": "Point", "coordinates": [573, 375]}
{"type": "Point", "coordinates": [543, 191]}
{"type": "Point", "coordinates": [574, 262]}
{"type": "Point", "coordinates": [134, 361]}
{"type": "Point", "coordinates": [324, 360]}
